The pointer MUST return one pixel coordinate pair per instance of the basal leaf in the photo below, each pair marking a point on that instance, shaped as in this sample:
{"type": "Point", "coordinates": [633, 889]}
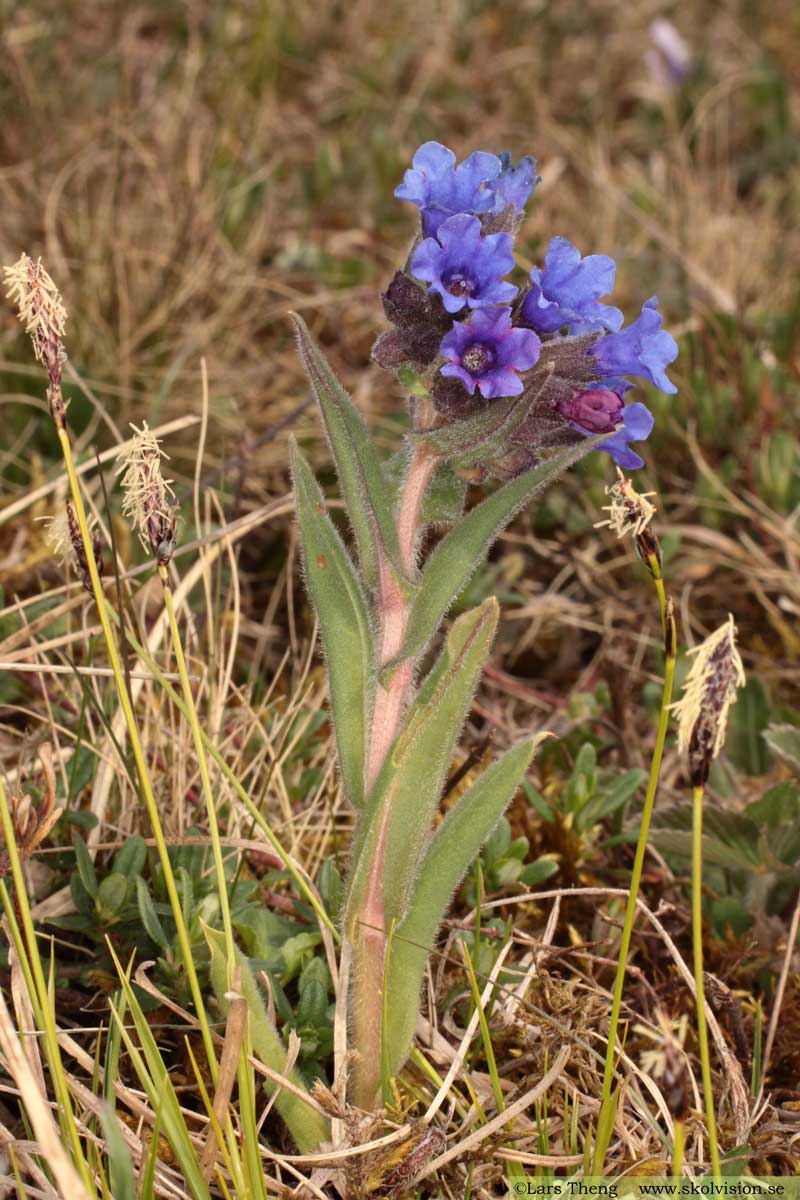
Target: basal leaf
{"type": "Point", "coordinates": [306, 1125]}
{"type": "Point", "coordinates": [460, 551]}
{"type": "Point", "coordinates": [344, 625]}
{"type": "Point", "coordinates": [729, 839]}
{"type": "Point", "coordinates": [366, 494]}
{"type": "Point", "coordinates": [450, 852]}
{"type": "Point", "coordinates": [784, 740]}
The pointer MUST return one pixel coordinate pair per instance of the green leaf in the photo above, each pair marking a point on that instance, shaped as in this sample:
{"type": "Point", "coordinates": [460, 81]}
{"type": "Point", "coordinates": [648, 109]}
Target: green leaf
{"type": "Point", "coordinates": [444, 499]}
{"type": "Point", "coordinates": [461, 551]}
{"type": "Point", "coordinates": [784, 740]}
{"type": "Point", "coordinates": [111, 896]}
{"type": "Point", "coordinates": [604, 803]}
{"type": "Point", "coordinates": [408, 790]}
{"type": "Point", "coordinates": [131, 857]}
{"type": "Point", "coordinates": [778, 806]}
{"type": "Point", "coordinates": [729, 839]}
{"type": "Point", "coordinates": [307, 1126]}
{"type": "Point", "coordinates": [149, 918]}
{"type": "Point", "coordinates": [344, 625]}
{"type": "Point", "coordinates": [366, 494]}
{"type": "Point", "coordinates": [84, 865]}
{"type": "Point", "coordinates": [450, 852]}
{"type": "Point", "coordinates": [121, 1176]}
{"type": "Point", "coordinates": [537, 872]}
{"type": "Point", "coordinates": [153, 1075]}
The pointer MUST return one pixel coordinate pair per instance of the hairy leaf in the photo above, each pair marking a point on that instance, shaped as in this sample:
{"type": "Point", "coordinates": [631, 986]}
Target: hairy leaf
{"type": "Point", "coordinates": [408, 790]}
{"type": "Point", "coordinates": [461, 551]}
{"type": "Point", "coordinates": [306, 1125]}
{"type": "Point", "coordinates": [784, 740]}
{"type": "Point", "coordinates": [365, 492]}
{"type": "Point", "coordinates": [452, 848]}
{"type": "Point", "coordinates": [344, 625]}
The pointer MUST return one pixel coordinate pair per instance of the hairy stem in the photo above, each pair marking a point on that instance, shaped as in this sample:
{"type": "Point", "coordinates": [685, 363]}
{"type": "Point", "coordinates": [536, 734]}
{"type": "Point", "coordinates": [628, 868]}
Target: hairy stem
{"type": "Point", "coordinates": [390, 700]}
{"type": "Point", "coordinates": [369, 950]}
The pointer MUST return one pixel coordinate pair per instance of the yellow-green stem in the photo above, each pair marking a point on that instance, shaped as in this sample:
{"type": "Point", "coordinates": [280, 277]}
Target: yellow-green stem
{"type": "Point", "coordinates": [678, 1145]}
{"type": "Point", "coordinates": [138, 754]}
{"type": "Point", "coordinates": [202, 763]}
{"type": "Point", "coordinates": [233, 780]}
{"type": "Point", "coordinates": [697, 946]}
{"type": "Point", "coordinates": [636, 876]}
{"type": "Point", "coordinates": [41, 999]}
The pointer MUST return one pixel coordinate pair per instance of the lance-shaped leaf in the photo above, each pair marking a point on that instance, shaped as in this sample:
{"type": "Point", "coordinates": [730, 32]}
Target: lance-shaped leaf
{"type": "Point", "coordinates": [461, 551]}
{"type": "Point", "coordinates": [450, 852]}
{"type": "Point", "coordinates": [305, 1123]}
{"type": "Point", "coordinates": [344, 624]}
{"type": "Point", "coordinates": [398, 825]}
{"type": "Point", "coordinates": [366, 494]}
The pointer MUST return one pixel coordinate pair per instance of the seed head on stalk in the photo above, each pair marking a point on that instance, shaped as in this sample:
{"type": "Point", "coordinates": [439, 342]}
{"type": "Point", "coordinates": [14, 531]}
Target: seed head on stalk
{"type": "Point", "coordinates": [630, 512]}
{"type": "Point", "coordinates": [41, 310]}
{"type": "Point", "coordinates": [148, 501]}
{"type": "Point", "coordinates": [708, 693]}
{"type": "Point", "coordinates": [64, 539]}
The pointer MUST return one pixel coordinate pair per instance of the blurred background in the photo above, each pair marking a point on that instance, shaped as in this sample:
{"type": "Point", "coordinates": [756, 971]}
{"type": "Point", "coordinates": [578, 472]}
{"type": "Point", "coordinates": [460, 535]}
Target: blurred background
{"type": "Point", "coordinates": [188, 172]}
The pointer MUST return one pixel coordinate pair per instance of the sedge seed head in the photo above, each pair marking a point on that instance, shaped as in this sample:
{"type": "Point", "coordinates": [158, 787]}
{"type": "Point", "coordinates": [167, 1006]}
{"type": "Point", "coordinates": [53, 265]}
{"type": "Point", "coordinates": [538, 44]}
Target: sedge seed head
{"type": "Point", "coordinates": [629, 512]}
{"type": "Point", "coordinates": [708, 693]}
{"type": "Point", "coordinates": [39, 308]}
{"type": "Point", "coordinates": [148, 500]}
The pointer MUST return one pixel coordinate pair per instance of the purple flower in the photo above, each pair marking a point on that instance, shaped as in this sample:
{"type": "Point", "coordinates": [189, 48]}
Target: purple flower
{"type": "Point", "coordinates": [567, 291]}
{"type": "Point", "coordinates": [643, 349]}
{"type": "Point", "coordinates": [488, 352]}
{"type": "Point", "coordinates": [596, 411]}
{"type": "Point", "coordinates": [440, 188]}
{"type": "Point", "coordinates": [464, 267]}
{"type": "Point", "coordinates": [514, 184]}
{"type": "Point", "coordinates": [669, 60]}
{"type": "Point", "coordinates": [601, 411]}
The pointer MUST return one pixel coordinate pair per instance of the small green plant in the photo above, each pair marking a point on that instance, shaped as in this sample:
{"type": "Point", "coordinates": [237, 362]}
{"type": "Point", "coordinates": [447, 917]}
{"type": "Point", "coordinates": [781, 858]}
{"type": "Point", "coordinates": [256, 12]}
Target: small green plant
{"type": "Point", "coordinates": [501, 395]}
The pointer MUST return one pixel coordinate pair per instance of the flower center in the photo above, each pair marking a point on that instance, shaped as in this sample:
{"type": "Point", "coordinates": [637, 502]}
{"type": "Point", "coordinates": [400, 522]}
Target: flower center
{"type": "Point", "coordinates": [477, 358]}
{"type": "Point", "coordinates": [459, 285]}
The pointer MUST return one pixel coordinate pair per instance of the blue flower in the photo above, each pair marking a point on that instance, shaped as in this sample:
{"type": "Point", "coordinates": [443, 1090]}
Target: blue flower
{"type": "Point", "coordinates": [637, 425]}
{"type": "Point", "coordinates": [440, 188]}
{"type": "Point", "coordinates": [643, 349]}
{"type": "Point", "coordinates": [488, 352]}
{"type": "Point", "coordinates": [515, 184]}
{"type": "Point", "coordinates": [567, 291]}
{"type": "Point", "coordinates": [464, 267]}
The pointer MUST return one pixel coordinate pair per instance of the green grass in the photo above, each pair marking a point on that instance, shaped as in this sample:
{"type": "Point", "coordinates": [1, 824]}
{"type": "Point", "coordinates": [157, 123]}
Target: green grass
{"type": "Point", "coordinates": [189, 173]}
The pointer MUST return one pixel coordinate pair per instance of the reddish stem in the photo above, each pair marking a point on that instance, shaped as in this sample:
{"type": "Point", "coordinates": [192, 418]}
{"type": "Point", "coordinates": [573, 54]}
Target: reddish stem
{"type": "Point", "coordinates": [387, 714]}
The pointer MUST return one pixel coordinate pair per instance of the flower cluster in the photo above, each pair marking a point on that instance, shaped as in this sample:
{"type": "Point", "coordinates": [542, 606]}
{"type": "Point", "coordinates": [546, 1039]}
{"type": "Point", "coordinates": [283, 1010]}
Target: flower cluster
{"type": "Point", "coordinates": [554, 345]}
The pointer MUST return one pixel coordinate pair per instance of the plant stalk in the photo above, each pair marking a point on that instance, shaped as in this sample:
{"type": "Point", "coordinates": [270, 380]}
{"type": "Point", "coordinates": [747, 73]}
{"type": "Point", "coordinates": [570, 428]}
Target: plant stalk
{"type": "Point", "coordinates": [138, 752]}
{"type": "Point", "coordinates": [202, 762]}
{"type": "Point", "coordinates": [697, 947]}
{"type": "Point", "coordinates": [369, 943]}
{"type": "Point", "coordinates": [667, 621]}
